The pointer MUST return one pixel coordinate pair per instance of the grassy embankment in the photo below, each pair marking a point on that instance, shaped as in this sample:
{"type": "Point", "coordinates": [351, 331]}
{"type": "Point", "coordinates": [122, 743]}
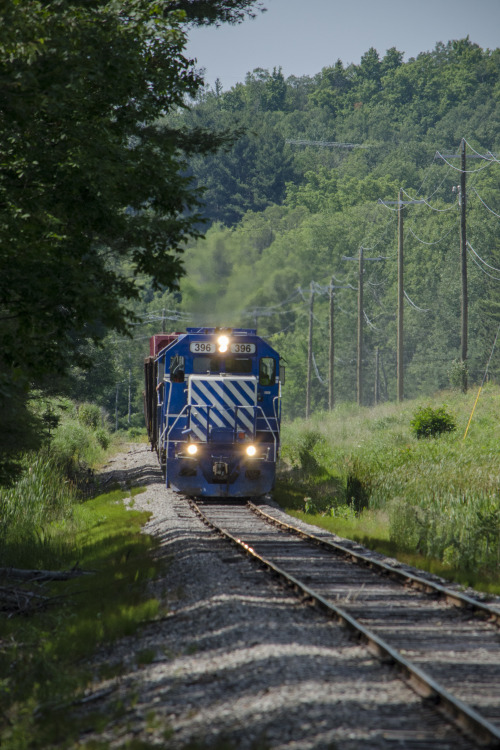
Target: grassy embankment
{"type": "Point", "coordinates": [46, 524]}
{"type": "Point", "coordinates": [432, 502]}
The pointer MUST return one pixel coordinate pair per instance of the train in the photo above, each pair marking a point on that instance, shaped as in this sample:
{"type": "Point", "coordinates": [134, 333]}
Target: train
{"type": "Point", "coordinates": [212, 405]}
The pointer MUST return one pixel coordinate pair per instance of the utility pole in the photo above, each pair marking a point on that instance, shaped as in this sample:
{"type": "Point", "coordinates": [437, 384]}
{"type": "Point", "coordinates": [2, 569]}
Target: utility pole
{"type": "Point", "coordinates": [462, 201]}
{"type": "Point", "coordinates": [359, 366]}
{"type": "Point", "coordinates": [400, 344]}
{"type": "Point", "coordinates": [309, 354]}
{"type": "Point", "coordinates": [163, 315]}
{"type": "Point", "coordinates": [376, 391]}
{"type": "Point", "coordinates": [116, 408]}
{"type": "Point", "coordinates": [129, 390]}
{"type": "Point", "coordinates": [463, 260]}
{"type": "Point", "coordinates": [401, 293]}
{"type": "Point", "coordinates": [331, 349]}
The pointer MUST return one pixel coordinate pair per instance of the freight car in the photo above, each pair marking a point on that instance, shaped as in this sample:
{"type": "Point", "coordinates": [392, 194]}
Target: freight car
{"type": "Point", "coordinates": [212, 405]}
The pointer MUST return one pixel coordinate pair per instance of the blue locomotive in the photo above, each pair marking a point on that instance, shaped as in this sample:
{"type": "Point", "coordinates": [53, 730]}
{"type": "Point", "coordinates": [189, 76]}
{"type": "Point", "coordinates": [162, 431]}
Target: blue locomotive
{"type": "Point", "coordinates": [213, 410]}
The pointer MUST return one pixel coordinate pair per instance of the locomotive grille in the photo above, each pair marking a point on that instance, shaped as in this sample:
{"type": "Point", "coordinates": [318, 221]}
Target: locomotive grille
{"type": "Point", "coordinates": [222, 405]}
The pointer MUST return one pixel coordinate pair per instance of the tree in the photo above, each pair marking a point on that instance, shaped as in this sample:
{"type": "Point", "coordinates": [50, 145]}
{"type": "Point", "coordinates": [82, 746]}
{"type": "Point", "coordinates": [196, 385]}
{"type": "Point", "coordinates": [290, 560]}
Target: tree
{"type": "Point", "coordinates": [209, 12]}
{"type": "Point", "coordinates": [93, 188]}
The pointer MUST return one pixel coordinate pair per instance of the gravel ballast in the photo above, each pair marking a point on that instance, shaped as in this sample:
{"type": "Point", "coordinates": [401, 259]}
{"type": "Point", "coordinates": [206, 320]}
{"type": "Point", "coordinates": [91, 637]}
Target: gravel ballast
{"type": "Point", "coordinates": [238, 661]}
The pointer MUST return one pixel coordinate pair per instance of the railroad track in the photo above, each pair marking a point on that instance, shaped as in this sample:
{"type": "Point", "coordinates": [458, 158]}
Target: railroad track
{"type": "Point", "coordinates": [445, 644]}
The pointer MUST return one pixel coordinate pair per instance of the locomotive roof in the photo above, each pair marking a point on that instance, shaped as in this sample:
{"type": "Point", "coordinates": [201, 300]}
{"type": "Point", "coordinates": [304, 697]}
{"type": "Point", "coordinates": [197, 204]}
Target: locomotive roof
{"type": "Point", "coordinates": [237, 331]}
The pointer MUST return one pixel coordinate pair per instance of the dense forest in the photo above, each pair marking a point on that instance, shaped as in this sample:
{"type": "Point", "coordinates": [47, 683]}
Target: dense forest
{"type": "Point", "coordinates": [139, 199]}
{"type": "Point", "coordinates": [314, 176]}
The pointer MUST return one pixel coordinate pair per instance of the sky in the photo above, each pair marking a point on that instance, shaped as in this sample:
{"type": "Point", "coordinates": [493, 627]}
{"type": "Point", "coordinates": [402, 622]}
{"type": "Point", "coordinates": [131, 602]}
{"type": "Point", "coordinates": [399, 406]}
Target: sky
{"type": "Point", "coordinates": [304, 36]}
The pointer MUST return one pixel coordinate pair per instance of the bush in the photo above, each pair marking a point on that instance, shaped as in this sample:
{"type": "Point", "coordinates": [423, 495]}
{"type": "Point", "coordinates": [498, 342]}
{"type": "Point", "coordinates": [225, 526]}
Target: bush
{"type": "Point", "coordinates": [102, 437]}
{"type": "Point", "coordinates": [89, 415]}
{"type": "Point", "coordinates": [310, 442]}
{"type": "Point", "coordinates": [429, 422]}
{"type": "Point", "coordinates": [457, 375]}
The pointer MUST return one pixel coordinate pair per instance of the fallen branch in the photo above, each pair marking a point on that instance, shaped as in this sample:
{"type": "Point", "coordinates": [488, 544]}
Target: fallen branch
{"type": "Point", "coordinates": [19, 601]}
{"type": "Point", "coordinates": [40, 576]}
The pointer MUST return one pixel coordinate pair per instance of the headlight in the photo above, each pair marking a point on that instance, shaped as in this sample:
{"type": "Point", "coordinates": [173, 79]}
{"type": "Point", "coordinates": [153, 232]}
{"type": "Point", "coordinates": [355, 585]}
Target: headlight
{"type": "Point", "coordinates": [251, 450]}
{"type": "Point", "coordinates": [192, 449]}
{"type": "Point", "coordinates": [223, 343]}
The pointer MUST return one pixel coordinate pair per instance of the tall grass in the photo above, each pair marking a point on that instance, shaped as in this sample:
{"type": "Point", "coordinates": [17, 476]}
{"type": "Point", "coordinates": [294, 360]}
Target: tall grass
{"type": "Point", "coordinates": [41, 501]}
{"type": "Point", "coordinates": [440, 494]}
{"type": "Point", "coordinates": [46, 524]}
{"type": "Point", "coordinates": [42, 656]}
{"type": "Point", "coordinates": [45, 496]}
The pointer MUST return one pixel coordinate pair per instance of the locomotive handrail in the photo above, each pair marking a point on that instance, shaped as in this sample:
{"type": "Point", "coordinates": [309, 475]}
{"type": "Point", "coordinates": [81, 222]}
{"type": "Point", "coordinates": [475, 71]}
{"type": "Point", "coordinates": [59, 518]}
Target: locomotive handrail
{"type": "Point", "coordinates": [165, 402]}
{"type": "Point", "coordinates": [277, 400]}
{"type": "Point", "coordinates": [187, 407]}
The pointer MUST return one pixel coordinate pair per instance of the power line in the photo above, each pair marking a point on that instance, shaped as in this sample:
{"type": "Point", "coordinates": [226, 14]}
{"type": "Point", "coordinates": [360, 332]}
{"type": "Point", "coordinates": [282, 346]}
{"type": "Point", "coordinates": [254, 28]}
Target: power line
{"type": "Point", "coordinates": [429, 243]}
{"type": "Point", "coordinates": [420, 309]}
{"type": "Point", "coordinates": [496, 278]}
{"type": "Point", "coordinates": [458, 169]}
{"type": "Point", "coordinates": [325, 144]}
{"type": "Point", "coordinates": [482, 260]}
{"type": "Point", "coordinates": [484, 204]}
{"type": "Point", "coordinates": [426, 202]}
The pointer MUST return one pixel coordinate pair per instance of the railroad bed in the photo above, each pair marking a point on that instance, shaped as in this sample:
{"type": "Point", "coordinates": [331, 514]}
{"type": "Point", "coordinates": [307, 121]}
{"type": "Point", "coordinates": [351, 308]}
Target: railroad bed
{"type": "Point", "coordinates": [446, 644]}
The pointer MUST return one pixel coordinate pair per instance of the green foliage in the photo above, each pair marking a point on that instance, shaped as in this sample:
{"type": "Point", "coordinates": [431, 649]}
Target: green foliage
{"type": "Point", "coordinates": [21, 429]}
{"type": "Point", "coordinates": [284, 214]}
{"type": "Point", "coordinates": [40, 696]}
{"type": "Point", "coordinates": [94, 184]}
{"type": "Point", "coordinates": [431, 422]}
{"type": "Point", "coordinates": [29, 510]}
{"type": "Point", "coordinates": [433, 498]}
{"type": "Point", "coordinates": [103, 437]}
{"type": "Point", "coordinates": [458, 374]}
{"type": "Point", "coordinates": [311, 440]}
{"type": "Point", "coordinates": [89, 415]}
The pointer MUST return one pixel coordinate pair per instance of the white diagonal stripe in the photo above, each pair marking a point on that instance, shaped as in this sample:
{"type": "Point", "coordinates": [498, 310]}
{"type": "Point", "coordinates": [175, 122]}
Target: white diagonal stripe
{"type": "Point", "coordinates": [245, 384]}
{"type": "Point", "coordinates": [202, 436]}
{"type": "Point", "coordinates": [211, 400]}
{"type": "Point", "coordinates": [213, 416]}
{"type": "Point", "coordinates": [238, 395]}
{"type": "Point", "coordinates": [237, 403]}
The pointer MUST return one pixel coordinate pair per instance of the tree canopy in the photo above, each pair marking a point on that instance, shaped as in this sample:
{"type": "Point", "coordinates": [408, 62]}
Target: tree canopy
{"type": "Point", "coordinates": [95, 193]}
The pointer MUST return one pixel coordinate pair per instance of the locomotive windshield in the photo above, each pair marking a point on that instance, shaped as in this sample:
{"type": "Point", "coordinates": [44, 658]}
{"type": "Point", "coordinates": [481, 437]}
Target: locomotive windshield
{"type": "Point", "coordinates": [240, 365]}
{"type": "Point", "coordinates": [234, 365]}
{"type": "Point", "coordinates": [206, 364]}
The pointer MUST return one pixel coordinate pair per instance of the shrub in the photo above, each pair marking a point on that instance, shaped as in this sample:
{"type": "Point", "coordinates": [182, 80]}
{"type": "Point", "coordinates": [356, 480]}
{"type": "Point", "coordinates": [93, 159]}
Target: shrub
{"type": "Point", "coordinates": [457, 375]}
{"type": "Point", "coordinates": [89, 415]}
{"type": "Point", "coordinates": [429, 422]}
{"type": "Point", "coordinates": [310, 441]}
{"type": "Point", "coordinates": [103, 438]}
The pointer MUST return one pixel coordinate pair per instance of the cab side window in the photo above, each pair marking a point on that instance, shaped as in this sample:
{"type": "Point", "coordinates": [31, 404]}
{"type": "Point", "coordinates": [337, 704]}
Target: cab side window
{"type": "Point", "coordinates": [177, 369]}
{"type": "Point", "coordinates": [267, 371]}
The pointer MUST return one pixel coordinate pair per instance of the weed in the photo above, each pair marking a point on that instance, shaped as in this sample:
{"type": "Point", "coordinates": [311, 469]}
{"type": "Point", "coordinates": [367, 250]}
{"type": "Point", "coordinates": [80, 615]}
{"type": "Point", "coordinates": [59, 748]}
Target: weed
{"type": "Point", "coordinates": [145, 656]}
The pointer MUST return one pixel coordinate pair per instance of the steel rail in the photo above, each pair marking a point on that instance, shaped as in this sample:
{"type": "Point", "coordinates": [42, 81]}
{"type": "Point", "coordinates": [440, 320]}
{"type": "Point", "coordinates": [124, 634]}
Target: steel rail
{"type": "Point", "coordinates": [452, 597]}
{"type": "Point", "coordinates": [465, 717]}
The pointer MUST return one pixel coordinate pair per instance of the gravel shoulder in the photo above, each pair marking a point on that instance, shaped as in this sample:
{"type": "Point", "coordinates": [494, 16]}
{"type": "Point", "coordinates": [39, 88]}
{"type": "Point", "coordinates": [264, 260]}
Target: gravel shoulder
{"type": "Point", "coordinates": [238, 661]}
